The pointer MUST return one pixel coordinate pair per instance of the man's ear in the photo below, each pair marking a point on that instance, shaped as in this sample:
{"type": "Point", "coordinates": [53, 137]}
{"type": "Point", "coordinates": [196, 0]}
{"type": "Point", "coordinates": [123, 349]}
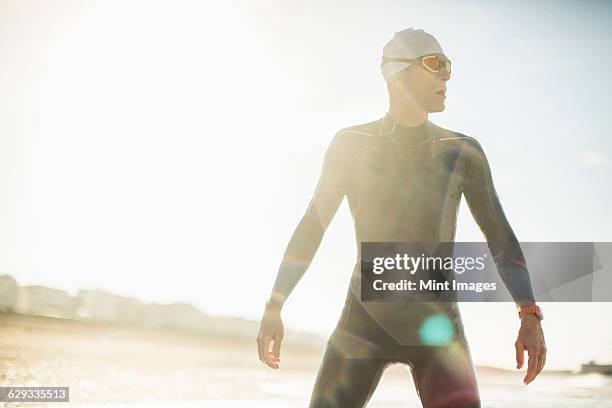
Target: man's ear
{"type": "Point", "coordinates": [395, 85]}
{"type": "Point", "coordinates": [392, 82]}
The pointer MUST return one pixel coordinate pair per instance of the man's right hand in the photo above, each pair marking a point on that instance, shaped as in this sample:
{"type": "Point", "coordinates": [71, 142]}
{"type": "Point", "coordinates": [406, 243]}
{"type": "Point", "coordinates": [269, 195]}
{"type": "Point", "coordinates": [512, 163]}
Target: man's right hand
{"type": "Point", "coordinates": [271, 330]}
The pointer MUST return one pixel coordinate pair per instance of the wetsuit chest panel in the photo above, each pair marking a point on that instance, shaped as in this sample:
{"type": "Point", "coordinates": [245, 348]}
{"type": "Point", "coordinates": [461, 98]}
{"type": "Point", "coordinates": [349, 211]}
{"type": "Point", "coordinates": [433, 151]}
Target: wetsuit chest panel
{"type": "Point", "coordinates": [403, 192]}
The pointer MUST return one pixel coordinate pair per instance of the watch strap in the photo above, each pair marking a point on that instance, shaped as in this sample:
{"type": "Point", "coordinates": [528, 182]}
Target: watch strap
{"type": "Point", "coordinates": [530, 309]}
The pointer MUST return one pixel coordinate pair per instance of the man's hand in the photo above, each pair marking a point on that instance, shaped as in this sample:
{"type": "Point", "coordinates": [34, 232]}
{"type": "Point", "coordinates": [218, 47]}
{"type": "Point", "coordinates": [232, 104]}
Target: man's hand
{"type": "Point", "coordinates": [270, 330]}
{"type": "Point", "coordinates": [530, 338]}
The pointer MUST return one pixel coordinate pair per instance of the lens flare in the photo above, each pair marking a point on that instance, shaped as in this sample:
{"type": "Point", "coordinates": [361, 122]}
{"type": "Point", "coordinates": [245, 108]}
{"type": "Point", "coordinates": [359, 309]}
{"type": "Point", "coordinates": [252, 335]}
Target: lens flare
{"type": "Point", "coordinates": [437, 330]}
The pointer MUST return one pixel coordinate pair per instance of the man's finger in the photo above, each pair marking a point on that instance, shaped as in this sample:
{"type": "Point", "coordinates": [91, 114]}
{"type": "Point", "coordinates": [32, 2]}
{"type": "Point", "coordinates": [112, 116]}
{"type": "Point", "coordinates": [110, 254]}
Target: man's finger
{"type": "Point", "coordinates": [538, 364]}
{"type": "Point", "coordinates": [542, 359]}
{"type": "Point", "coordinates": [520, 354]}
{"type": "Point", "coordinates": [263, 350]}
{"type": "Point", "coordinates": [268, 356]}
{"type": "Point", "coordinates": [532, 364]}
{"type": "Point", "coordinates": [276, 349]}
{"type": "Point", "coordinates": [260, 348]}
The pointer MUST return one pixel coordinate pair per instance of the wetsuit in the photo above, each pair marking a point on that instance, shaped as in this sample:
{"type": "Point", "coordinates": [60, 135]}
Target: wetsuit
{"type": "Point", "coordinates": [403, 184]}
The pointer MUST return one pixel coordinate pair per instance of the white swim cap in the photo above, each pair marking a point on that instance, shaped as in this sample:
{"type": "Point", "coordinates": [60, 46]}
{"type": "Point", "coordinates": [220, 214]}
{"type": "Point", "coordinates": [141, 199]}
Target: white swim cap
{"type": "Point", "coordinates": [408, 43]}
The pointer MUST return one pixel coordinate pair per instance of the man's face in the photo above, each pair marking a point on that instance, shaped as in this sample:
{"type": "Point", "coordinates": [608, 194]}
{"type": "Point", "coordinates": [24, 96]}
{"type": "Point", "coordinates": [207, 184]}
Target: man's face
{"type": "Point", "coordinates": [425, 89]}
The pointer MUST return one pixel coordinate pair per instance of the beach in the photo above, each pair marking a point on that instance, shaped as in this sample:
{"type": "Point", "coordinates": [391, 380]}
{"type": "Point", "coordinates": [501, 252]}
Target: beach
{"type": "Point", "coordinates": [108, 365]}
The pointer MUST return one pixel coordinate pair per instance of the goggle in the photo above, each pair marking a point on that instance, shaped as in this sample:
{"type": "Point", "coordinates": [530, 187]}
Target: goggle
{"type": "Point", "coordinates": [432, 63]}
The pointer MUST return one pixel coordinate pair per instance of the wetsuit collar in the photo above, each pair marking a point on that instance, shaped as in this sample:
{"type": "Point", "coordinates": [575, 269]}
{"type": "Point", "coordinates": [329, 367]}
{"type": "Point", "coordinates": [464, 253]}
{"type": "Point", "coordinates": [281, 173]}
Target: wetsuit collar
{"type": "Point", "coordinates": [390, 127]}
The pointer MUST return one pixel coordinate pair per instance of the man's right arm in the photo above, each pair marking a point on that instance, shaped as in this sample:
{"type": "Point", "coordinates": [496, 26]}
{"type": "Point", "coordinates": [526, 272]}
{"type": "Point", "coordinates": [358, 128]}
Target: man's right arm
{"type": "Point", "coordinates": [306, 238]}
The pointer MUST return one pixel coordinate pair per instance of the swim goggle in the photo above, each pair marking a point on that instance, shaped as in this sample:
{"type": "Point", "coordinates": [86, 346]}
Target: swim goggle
{"type": "Point", "coordinates": [432, 63]}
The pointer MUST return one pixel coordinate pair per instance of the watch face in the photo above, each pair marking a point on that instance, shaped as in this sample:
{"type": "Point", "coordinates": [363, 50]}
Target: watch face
{"type": "Point", "coordinates": [540, 313]}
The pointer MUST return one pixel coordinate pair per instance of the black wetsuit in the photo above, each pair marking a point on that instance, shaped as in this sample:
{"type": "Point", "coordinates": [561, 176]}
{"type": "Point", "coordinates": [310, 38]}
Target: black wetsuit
{"type": "Point", "coordinates": [403, 184]}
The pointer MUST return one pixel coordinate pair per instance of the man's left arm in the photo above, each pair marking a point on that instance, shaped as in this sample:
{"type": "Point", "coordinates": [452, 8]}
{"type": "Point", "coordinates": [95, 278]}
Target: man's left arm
{"type": "Point", "coordinates": [486, 208]}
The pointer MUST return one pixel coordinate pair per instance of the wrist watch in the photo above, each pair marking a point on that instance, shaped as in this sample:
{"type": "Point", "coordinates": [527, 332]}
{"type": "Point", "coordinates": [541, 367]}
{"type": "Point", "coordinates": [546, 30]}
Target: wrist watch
{"type": "Point", "coordinates": [531, 309]}
{"type": "Point", "coordinates": [273, 303]}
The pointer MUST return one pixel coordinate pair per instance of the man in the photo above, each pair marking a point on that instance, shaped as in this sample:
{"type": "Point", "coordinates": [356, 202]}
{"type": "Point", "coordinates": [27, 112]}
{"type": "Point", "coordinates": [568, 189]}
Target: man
{"type": "Point", "coordinates": [404, 177]}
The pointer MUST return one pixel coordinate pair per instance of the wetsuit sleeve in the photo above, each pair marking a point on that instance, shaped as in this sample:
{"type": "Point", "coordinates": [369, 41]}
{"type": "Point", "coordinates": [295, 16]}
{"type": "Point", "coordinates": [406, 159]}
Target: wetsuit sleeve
{"type": "Point", "coordinates": [487, 211]}
{"type": "Point", "coordinates": [328, 194]}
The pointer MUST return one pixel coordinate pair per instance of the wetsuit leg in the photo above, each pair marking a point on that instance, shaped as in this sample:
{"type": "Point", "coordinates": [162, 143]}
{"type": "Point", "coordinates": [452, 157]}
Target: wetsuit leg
{"type": "Point", "coordinates": [344, 382]}
{"type": "Point", "coordinates": [359, 350]}
{"type": "Point", "coordinates": [446, 378]}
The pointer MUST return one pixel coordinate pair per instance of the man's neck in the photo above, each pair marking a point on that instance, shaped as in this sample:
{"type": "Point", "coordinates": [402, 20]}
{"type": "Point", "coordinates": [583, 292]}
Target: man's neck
{"type": "Point", "coordinates": [407, 115]}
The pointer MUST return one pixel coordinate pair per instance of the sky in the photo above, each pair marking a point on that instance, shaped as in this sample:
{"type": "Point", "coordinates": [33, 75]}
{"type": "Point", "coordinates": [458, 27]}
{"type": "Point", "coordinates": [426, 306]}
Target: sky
{"type": "Point", "coordinates": [167, 150]}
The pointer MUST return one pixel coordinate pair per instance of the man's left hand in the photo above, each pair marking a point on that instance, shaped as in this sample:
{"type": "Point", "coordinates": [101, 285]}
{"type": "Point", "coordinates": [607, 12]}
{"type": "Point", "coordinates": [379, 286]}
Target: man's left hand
{"type": "Point", "coordinates": [531, 339]}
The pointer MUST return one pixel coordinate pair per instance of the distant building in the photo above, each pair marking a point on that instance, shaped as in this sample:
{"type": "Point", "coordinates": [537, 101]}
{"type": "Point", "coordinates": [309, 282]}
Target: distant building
{"type": "Point", "coordinates": [102, 306]}
{"type": "Point", "coordinates": [8, 293]}
{"type": "Point", "coordinates": [175, 315]}
{"type": "Point", "coordinates": [592, 367]}
{"type": "Point", "coordinates": [234, 327]}
{"type": "Point", "coordinates": [44, 301]}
